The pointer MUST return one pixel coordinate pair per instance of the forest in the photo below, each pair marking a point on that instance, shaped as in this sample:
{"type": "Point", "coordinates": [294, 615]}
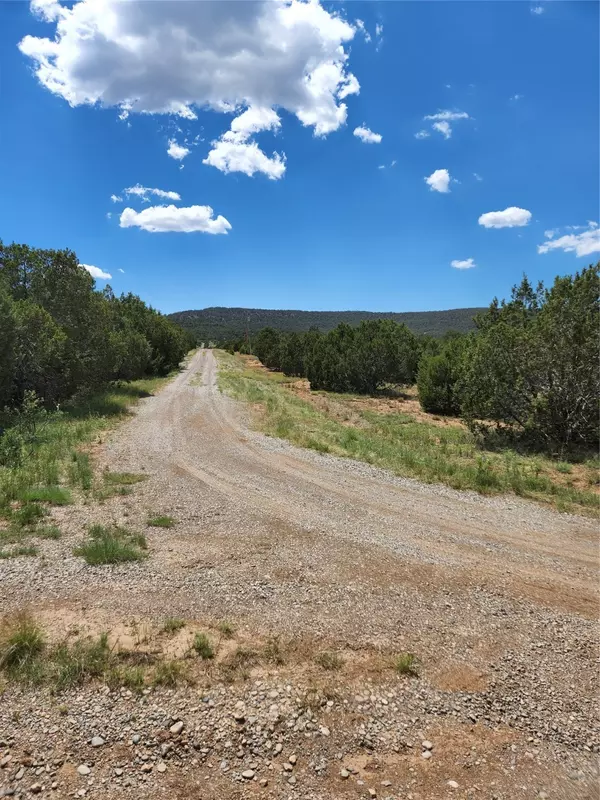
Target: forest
{"type": "Point", "coordinates": [529, 370]}
{"type": "Point", "coordinates": [219, 325]}
{"type": "Point", "coordinates": [62, 339]}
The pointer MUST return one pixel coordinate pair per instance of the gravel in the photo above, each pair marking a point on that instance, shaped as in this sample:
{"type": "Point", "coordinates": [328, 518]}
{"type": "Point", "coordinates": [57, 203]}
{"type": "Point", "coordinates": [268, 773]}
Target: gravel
{"type": "Point", "coordinates": [496, 596]}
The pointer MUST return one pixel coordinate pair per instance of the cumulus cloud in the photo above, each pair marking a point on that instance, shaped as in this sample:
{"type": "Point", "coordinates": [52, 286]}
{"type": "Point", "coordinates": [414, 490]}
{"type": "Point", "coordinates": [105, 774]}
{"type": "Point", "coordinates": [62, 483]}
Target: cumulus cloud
{"type": "Point", "coordinates": [537, 10]}
{"type": "Point", "coordinates": [477, 176]}
{"type": "Point", "coordinates": [441, 121]}
{"type": "Point", "coordinates": [512, 217]}
{"type": "Point", "coordinates": [468, 263]}
{"type": "Point", "coordinates": [236, 152]}
{"type": "Point", "coordinates": [96, 272]}
{"type": "Point", "coordinates": [159, 219]}
{"type": "Point", "coordinates": [144, 191]}
{"type": "Point", "coordinates": [175, 58]}
{"type": "Point", "coordinates": [439, 181]}
{"type": "Point", "coordinates": [177, 151]}
{"type": "Point", "coordinates": [116, 199]}
{"type": "Point", "coordinates": [422, 134]}
{"type": "Point", "coordinates": [367, 135]}
{"type": "Point", "coordinates": [582, 244]}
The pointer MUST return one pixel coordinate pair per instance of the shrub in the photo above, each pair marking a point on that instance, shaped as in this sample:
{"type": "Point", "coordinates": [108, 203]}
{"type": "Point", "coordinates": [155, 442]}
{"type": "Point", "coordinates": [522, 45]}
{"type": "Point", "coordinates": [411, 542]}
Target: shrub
{"type": "Point", "coordinates": [161, 522]}
{"type": "Point", "coordinates": [435, 382]}
{"type": "Point", "coordinates": [173, 624]}
{"type": "Point", "coordinates": [329, 660]}
{"type": "Point", "coordinates": [21, 644]}
{"type": "Point", "coordinates": [226, 629]}
{"type": "Point", "coordinates": [55, 495]}
{"type": "Point", "coordinates": [167, 673]}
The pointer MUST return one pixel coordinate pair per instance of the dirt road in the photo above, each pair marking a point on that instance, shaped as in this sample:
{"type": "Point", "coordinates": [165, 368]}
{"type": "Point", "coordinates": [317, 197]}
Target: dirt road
{"type": "Point", "coordinates": [497, 598]}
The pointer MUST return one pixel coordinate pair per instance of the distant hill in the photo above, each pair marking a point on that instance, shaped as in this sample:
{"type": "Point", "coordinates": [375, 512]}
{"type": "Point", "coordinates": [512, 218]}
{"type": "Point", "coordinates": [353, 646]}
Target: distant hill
{"type": "Point", "coordinates": [218, 324]}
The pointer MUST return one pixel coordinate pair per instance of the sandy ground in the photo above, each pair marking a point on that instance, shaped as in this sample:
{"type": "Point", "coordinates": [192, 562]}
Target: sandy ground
{"type": "Point", "coordinates": [497, 597]}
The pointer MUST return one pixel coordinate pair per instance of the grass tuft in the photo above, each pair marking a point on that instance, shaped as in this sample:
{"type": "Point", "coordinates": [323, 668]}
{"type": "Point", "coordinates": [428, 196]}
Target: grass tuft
{"type": "Point", "coordinates": [329, 660]}
{"type": "Point", "coordinates": [161, 522]}
{"type": "Point", "coordinates": [28, 515]}
{"type": "Point", "coordinates": [226, 629]}
{"type": "Point", "coordinates": [407, 664]}
{"type": "Point", "coordinates": [123, 478]}
{"type": "Point", "coordinates": [20, 550]}
{"type": "Point", "coordinates": [47, 532]}
{"type": "Point", "coordinates": [202, 646]}
{"type": "Point", "coordinates": [167, 673]}
{"type": "Point", "coordinates": [21, 644]}
{"type": "Point", "coordinates": [113, 545]}
{"type": "Point", "coordinates": [173, 624]}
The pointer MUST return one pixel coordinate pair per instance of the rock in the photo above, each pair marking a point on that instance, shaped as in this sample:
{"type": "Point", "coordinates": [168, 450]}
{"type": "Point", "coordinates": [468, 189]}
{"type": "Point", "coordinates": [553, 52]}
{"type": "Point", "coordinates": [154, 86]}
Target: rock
{"type": "Point", "coordinates": [291, 780]}
{"type": "Point", "coordinates": [293, 758]}
{"type": "Point", "coordinates": [83, 769]}
{"type": "Point", "coordinates": [136, 739]}
{"type": "Point", "coordinates": [248, 774]}
{"type": "Point", "coordinates": [426, 754]}
{"type": "Point", "coordinates": [263, 782]}
{"type": "Point", "coordinates": [118, 772]}
{"type": "Point", "coordinates": [161, 767]}
{"type": "Point", "coordinates": [372, 793]}
{"type": "Point", "coordinates": [146, 767]}
{"type": "Point", "coordinates": [278, 748]}
{"type": "Point", "coordinates": [97, 741]}
{"type": "Point", "coordinates": [176, 728]}
{"type": "Point", "coordinates": [453, 784]}
{"type": "Point", "coordinates": [427, 745]}
{"type": "Point", "coordinates": [35, 788]}
{"type": "Point", "coordinates": [4, 762]}
{"type": "Point", "coordinates": [239, 715]}
{"type": "Point", "coordinates": [344, 773]}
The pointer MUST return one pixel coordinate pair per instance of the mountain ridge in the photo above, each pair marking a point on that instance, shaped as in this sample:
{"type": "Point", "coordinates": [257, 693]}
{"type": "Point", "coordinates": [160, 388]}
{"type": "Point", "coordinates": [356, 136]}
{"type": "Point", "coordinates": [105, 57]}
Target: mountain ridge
{"type": "Point", "coordinates": [220, 323]}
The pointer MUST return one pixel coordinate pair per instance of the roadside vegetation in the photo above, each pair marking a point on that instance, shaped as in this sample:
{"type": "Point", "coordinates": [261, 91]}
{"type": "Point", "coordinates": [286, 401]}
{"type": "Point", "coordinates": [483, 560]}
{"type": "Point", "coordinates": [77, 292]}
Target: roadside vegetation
{"type": "Point", "coordinates": [112, 545]}
{"type": "Point", "coordinates": [72, 360]}
{"type": "Point", "coordinates": [402, 442]}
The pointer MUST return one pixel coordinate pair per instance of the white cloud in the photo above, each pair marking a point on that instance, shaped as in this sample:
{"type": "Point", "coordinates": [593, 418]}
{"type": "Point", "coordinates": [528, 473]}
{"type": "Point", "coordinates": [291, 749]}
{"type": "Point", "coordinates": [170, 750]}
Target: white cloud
{"type": "Point", "coordinates": [439, 181]}
{"type": "Point", "coordinates": [444, 128]}
{"type": "Point", "coordinates": [116, 199]}
{"type": "Point", "coordinates": [441, 121]}
{"type": "Point", "coordinates": [144, 191]}
{"type": "Point", "coordinates": [108, 215]}
{"type": "Point", "coordinates": [516, 97]}
{"type": "Point", "coordinates": [177, 151]}
{"type": "Point", "coordinates": [361, 27]}
{"type": "Point", "coordinates": [422, 134]}
{"type": "Point", "coordinates": [537, 10]}
{"type": "Point", "coordinates": [246, 157]}
{"type": "Point", "coordinates": [235, 152]}
{"type": "Point", "coordinates": [121, 270]}
{"type": "Point", "coordinates": [176, 58]}
{"type": "Point", "coordinates": [468, 263]}
{"type": "Point", "coordinates": [551, 233]}
{"type": "Point", "coordinates": [582, 244]}
{"type": "Point", "coordinates": [512, 217]}
{"type": "Point", "coordinates": [158, 219]}
{"type": "Point", "coordinates": [96, 272]}
{"type": "Point", "coordinates": [367, 135]}
{"type": "Point", "coordinates": [477, 176]}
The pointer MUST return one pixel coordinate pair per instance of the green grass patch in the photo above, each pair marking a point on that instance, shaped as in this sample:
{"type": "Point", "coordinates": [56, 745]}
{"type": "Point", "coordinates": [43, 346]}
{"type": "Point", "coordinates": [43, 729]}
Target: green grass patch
{"type": "Point", "coordinates": [47, 532]}
{"type": "Point", "coordinates": [28, 515]}
{"type": "Point", "coordinates": [399, 442]}
{"type": "Point", "coordinates": [168, 673]}
{"type": "Point", "coordinates": [163, 521]}
{"type": "Point", "coordinates": [55, 495]}
{"type": "Point", "coordinates": [19, 550]}
{"type": "Point", "coordinates": [48, 452]}
{"type": "Point", "coordinates": [329, 660]}
{"type": "Point", "coordinates": [123, 478]}
{"type": "Point", "coordinates": [226, 629]}
{"type": "Point", "coordinates": [112, 545]}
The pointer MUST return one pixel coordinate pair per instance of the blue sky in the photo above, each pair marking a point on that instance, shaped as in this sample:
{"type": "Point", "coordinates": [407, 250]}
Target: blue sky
{"type": "Point", "coordinates": [330, 229]}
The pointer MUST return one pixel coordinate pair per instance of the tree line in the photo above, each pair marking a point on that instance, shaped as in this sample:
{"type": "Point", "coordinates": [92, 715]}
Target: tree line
{"type": "Point", "coordinates": [530, 367]}
{"type": "Point", "coordinates": [60, 337]}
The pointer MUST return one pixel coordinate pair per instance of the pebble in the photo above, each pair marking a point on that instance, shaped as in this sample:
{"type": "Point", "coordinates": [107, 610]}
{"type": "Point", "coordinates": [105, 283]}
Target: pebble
{"type": "Point", "coordinates": [453, 784]}
{"type": "Point", "coordinates": [83, 769]}
{"type": "Point", "coordinates": [426, 754]}
{"type": "Point", "coordinates": [35, 788]}
{"type": "Point", "coordinates": [176, 728]}
{"type": "Point", "coordinates": [161, 767]}
{"type": "Point", "coordinates": [344, 773]}
{"type": "Point", "coordinates": [97, 741]}
{"type": "Point", "coordinates": [427, 745]}
{"type": "Point", "coordinates": [248, 774]}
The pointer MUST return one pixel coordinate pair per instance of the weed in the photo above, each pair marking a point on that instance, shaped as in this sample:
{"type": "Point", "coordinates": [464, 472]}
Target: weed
{"type": "Point", "coordinates": [55, 495]}
{"type": "Point", "coordinates": [161, 522]}
{"type": "Point", "coordinates": [80, 471]}
{"type": "Point", "coordinates": [123, 478]}
{"type": "Point", "coordinates": [21, 645]}
{"type": "Point", "coordinates": [237, 664]}
{"type": "Point", "coordinates": [329, 660]}
{"type": "Point", "coordinates": [28, 514]}
{"type": "Point", "coordinates": [407, 664]}
{"type": "Point", "coordinates": [273, 652]}
{"type": "Point", "coordinates": [226, 629]}
{"type": "Point", "coordinates": [564, 467]}
{"type": "Point", "coordinates": [167, 673]}
{"type": "Point", "coordinates": [47, 532]}
{"type": "Point", "coordinates": [20, 550]}
{"type": "Point", "coordinates": [71, 665]}
{"type": "Point", "coordinates": [111, 546]}
{"type": "Point", "coordinates": [130, 677]}
{"type": "Point", "coordinates": [173, 624]}
{"type": "Point", "coordinates": [202, 646]}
